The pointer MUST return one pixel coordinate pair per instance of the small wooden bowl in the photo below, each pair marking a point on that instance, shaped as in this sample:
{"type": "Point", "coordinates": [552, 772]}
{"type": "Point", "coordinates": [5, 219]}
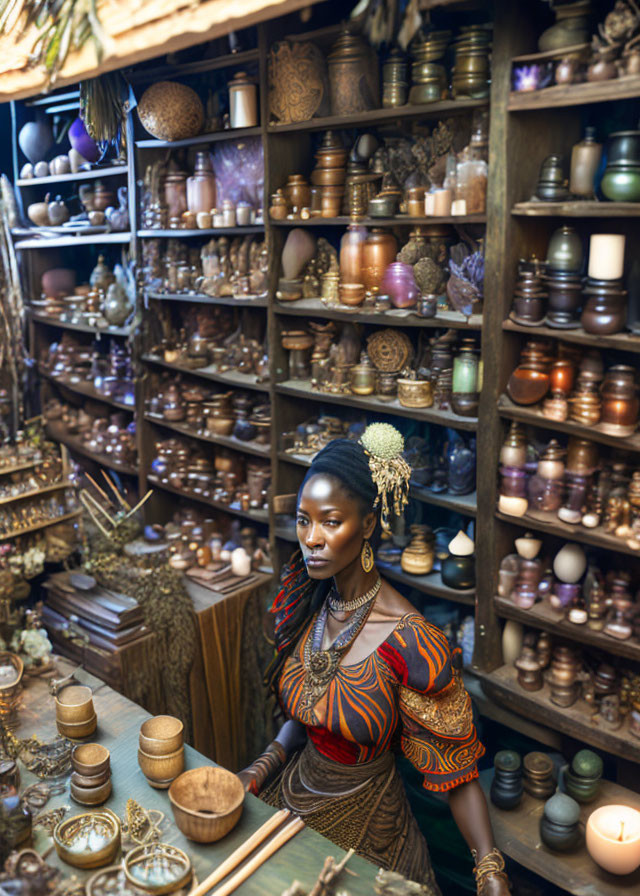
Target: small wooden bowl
{"type": "Point", "coordinates": [207, 803]}
{"type": "Point", "coordinates": [78, 730]}
{"type": "Point", "coordinates": [90, 780]}
{"type": "Point", "coordinates": [91, 796]}
{"type": "Point", "coordinates": [74, 704]}
{"type": "Point", "coordinates": [161, 735]}
{"type": "Point", "coordinates": [90, 759]}
{"type": "Point", "coordinates": [161, 769]}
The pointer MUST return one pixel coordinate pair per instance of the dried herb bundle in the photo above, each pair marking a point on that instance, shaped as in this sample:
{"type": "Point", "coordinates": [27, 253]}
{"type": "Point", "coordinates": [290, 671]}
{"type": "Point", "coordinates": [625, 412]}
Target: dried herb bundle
{"type": "Point", "coordinates": [102, 107]}
{"type": "Point", "coordinates": [62, 26]}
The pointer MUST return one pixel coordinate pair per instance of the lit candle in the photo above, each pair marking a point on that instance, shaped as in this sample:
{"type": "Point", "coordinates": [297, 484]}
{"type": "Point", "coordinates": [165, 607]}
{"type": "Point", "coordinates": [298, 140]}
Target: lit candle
{"type": "Point", "coordinates": [613, 838]}
{"type": "Point", "coordinates": [606, 256]}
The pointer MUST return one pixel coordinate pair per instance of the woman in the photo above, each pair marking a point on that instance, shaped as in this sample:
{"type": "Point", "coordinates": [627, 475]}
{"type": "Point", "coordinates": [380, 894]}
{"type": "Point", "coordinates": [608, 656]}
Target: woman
{"type": "Point", "coordinates": [357, 668]}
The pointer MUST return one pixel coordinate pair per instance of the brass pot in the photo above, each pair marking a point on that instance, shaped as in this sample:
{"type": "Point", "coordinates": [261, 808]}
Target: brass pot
{"type": "Point", "coordinates": [353, 76]}
{"type": "Point", "coordinates": [415, 393]}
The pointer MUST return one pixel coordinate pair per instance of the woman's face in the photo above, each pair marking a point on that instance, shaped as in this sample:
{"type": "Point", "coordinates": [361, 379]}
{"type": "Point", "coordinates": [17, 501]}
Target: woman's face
{"type": "Point", "coordinates": [330, 527]}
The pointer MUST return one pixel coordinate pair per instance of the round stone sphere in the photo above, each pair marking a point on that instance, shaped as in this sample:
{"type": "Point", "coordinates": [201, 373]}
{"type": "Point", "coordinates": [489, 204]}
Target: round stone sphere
{"type": "Point", "coordinates": [171, 111]}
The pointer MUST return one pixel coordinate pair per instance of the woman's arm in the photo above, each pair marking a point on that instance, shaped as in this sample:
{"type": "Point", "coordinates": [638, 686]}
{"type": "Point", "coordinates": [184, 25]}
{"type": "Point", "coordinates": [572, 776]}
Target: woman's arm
{"type": "Point", "coordinates": [291, 736]}
{"type": "Point", "coordinates": [471, 813]}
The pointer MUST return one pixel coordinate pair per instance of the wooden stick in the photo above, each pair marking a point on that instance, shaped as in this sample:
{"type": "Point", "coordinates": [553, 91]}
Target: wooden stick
{"type": "Point", "coordinates": [241, 852]}
{"type": "Point", "coordinates": [140, 503]}
{"type": "Point", "coordinates": [94, 518]}
{"type": "Point", "coordinates": [115, 491]}
{"type": "Point", "coordinates": [97, 505]}
{"type": "Point", "coordinates": [98, 488]}
{"type": "Point", "coordinates": [294, 826]}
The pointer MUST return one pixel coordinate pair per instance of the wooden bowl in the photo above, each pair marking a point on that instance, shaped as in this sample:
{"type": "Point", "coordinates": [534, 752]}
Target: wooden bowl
{"type": "Point", "coordinates": [74, 704]}
{"type": "Point", "coordinates": [78, 730]}
{"type": "Point", "coordinates": [161, 768]}
{"type": "Point", "coordinates": [90, 759]}
{"type": "Point", "coordinates": [90, 780]}
{"type": "Point", "coordinates": [91, 796]}
{"type": "Point", "coordinates": [207, 803]}
{"type": "Point", "coordinates": [72, 834]}
{"type": "Point", "coordinates": [161, 735]}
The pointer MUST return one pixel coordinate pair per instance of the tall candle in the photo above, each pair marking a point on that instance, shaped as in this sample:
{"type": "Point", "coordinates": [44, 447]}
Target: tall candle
{"type": "Point", "coordinates": [606, 256]}
{"type": "Point", "coordinates": [613, 838]}
{"type": "Point", "coordinates": [442, 203]}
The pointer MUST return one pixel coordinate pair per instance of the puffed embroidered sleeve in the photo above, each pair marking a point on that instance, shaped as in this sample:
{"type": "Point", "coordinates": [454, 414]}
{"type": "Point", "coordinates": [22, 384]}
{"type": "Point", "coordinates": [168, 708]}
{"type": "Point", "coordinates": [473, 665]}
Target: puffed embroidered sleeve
{"type": "Point", "coordinates": [438, 734]}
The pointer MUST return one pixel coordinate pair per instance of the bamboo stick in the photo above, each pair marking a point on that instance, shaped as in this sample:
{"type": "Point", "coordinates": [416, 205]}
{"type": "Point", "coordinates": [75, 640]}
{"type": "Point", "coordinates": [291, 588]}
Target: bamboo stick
{"type": "Point", "coordinates": [98, 488]}
{"type": "Point", "coordinates": [97, 505]}
{"type": "Point", "coordinates": [115, 491]}
{"type": "Point", "coordinates": [294, 826]}
{"type": "Point", "coordinates": [241, 852]}
{"type": "Point", "coordinates": [95, 519]}
{"type": "Point", "coordinates": [140, 503]}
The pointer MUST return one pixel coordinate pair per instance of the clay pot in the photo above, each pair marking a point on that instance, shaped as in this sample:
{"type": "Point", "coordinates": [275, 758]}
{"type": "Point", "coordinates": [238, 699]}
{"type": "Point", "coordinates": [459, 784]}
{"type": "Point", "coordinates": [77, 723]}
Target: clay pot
{"type": "Point", "coordinates": [620, 405]}
{"type": "Point", "coordinates": [38, 214]}
{"type": "Point", "coordinates": [297, 192]}
{"type": "Point", "coordinates": [353, 76]}
{"type": "Point", "coordinates": [201, 186]}
{"type": "Point", "coordinates": [379, 251]}
{"type": "Point", "coordinates": [35, 139]}
{"type": "Point", "coordinates": [564, 252]}
{"type": "Point", "coordinates": [399, 284]}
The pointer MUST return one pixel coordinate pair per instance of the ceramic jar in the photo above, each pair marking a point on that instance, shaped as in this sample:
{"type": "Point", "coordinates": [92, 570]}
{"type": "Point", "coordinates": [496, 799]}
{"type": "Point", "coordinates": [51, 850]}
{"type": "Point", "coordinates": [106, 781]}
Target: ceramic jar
{"type": "Point", "coordinates": [564, 252]}
{"type": "Point", "coordinates": [417, 558]}
{"type": "Point", "coordinates": [538, 778]}
{"type": "Point", "coordinates": [378, 253]}
{"type": "Point", "coordinates": [529, 296]}
{"type": "Point", "coordinates": [352, 254]}
{"type": "Point", "coordinates": [363, 377]}
{"type": "Point", "coordinates": [175, 195]}
{"type": "Point", "coordinates": [458, 570]}
{"type": "Point", "coordinates": [513, 491]}
{"type": "Point", "coordinates": [201, 186]}
{"type": "Point", "coordinates": [605, 308]}
{"type": "Point", "coordinates": [621, 179]}
{"type": "Point", "coordinates": [529, 670]}
{"type": "Point", "coordinates": [564, 293]}
{"type": "Point", "coordinates": [552, 183]}
{"type": "Point", "coordinates": [353, 76]}
{"type": "Point", "coordinates": [243, 102]}
{"type": "Point", "coordinates": [529, 382]}
{"type": "Point", "coordinates": [415, 393]}
{"type": "Point", "coordinates": [585, 160]}
{"type": "Point", "coordinates": [620, 405]}
{"type": "Point", "coordinates": [582, 779]}
{"type": "Point", "coordinates": [559, 825]}
{"type": "Point", "coordinates": [514, 448]}
{"type": "Point", "coordinates": [395, 79]}
{"type": "Point", "coordinates": [464, 395]}
{"type": "Point", "coordinates": [399, 284]}
{"type": "Point", "coordinates": [297, 193]}
{"type": "Point", "coordinates": [506, 787]}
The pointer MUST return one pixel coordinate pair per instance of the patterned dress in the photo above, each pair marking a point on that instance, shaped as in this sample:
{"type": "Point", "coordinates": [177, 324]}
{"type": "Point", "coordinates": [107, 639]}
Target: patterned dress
{"type": "Point", "coordinates": [345, 784]}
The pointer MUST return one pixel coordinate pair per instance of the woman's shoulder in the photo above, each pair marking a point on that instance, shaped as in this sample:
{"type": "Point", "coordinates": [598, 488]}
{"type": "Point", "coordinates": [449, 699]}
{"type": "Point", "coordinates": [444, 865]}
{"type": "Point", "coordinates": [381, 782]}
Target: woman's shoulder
{"type": "Point", "coordinates": [418, 653]}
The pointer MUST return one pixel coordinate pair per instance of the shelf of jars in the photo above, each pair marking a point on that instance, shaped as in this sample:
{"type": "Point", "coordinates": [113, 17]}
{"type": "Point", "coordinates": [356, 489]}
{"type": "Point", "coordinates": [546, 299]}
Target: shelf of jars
{"type": "Point", "coordinates": [107, 458]}
{"type": "Point", "coordinates": [626, 342]}
{"type": "Point", "coordinates": [238, 301]}
{"type": "Point", "coordinates": [562, 95]}
{"type": "Point", "coordinates": [122, 397]}
{"type": "Point", "coordinates": [201, 139]}
{"type": "Point", "coordinates": [546, 522]}
{"type": "Point", "coordinates": [394, 221]}
{"type": "Point", "coordinates": [401, 317]}
{"type": "Point", "coordinates": [146, 74]}
{"type": "Point", "coordinates": [544, 617]}
{"type": "Point", "coordinates": [79, 327]}
{"type": "Point", "coordinates": [371, 117]}
{"type": "Point", "coordinates": [42, 490]}
{"type": "Point", "coordinates": [246, 447]}
{"type": "Point", "coordinates": [72, 176]}
{"type": "Point", "coordinates": [211, 372]}
{"type": "Point", "coordinates": [185, 232]}
{"type": "Point", "coordinates": [580, 208]}
{"type": "Point", "coordinates": [257, 516]}
{"type": "Point", "coordinates": [78, 239]}
{"type": "Point", "coordinates": [305, 390]}
{"type": "Point", "coordinates": [43, 524]}
{"type": "Point", "coordinates": [576, 720]}
{"type": "Point", "coordinates": [534, 416]}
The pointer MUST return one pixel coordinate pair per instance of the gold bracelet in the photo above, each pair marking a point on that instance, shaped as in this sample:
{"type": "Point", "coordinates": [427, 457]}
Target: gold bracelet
{"type": "Point", "coordinates": [490, 865]}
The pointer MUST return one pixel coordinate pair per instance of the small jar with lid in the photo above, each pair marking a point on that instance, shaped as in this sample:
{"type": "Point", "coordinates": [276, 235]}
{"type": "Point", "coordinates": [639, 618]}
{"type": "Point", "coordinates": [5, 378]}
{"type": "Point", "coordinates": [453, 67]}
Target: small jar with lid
{"type": "Point", "coordinates": [585, 160]}
{"type": "Point", "coordinates": [243, 102]}
{"type": "Point", "coordinates": [513, 491]}
{"type": "Point", "coordinates": [228, 213]}
{"type": "Point", "coordinates": [514, 448]}
{"type": "Point", "coordinates": [620, 405]}
{"type": "Point", "coordinates": [464, 394]}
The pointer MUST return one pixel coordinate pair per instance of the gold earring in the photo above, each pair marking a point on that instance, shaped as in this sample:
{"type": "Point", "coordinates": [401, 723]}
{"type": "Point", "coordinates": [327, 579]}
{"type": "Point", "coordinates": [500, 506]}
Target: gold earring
{"type": "Point", "coordinates": [366, 556]}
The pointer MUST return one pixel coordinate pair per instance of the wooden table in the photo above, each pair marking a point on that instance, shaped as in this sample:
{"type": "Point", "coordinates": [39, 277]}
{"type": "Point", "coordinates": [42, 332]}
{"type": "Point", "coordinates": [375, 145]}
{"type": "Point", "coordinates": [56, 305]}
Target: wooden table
{"type": "Point", "coordinates": [119, 722]}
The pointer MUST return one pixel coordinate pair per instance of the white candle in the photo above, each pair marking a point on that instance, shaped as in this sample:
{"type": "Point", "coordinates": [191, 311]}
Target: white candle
{"type": "Point", "coordinates": [442, 203]}
{"type": "Point", "coordinates": [606, 256]}
{"type": "Point", "coordinates": [613, 838]}
{"type": "Point", "coordinates": [429, 204]}
{"type": "Point", "coordinates": [459, 207]}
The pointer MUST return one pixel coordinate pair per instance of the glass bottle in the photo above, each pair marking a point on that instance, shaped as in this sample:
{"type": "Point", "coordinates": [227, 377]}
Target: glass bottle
{"type": "Point", "coordinates": [585, 160]}
{"type": "Point", "coordinates": [464, 397]}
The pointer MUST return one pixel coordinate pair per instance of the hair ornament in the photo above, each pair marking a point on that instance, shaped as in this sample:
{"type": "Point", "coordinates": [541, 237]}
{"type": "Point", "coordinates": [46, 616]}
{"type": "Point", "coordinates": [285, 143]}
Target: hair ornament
{"type": "Point", "coordinates": [384, 445]}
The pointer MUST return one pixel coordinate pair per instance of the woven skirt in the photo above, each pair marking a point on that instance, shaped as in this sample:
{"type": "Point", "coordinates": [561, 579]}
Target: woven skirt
{"type": "Point", "coordinates": [362, 807]}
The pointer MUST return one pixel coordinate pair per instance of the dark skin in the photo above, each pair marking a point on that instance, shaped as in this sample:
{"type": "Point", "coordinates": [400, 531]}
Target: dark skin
{"type": "Point", "coordinates": [331, 528]}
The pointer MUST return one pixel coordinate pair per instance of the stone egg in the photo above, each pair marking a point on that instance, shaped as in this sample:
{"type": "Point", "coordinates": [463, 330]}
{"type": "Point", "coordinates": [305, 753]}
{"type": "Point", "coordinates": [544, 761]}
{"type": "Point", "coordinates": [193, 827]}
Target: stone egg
{"type": "Point", "coordinates": [570, 563]}
{"type": "Point", "coordinates": [561, 809]}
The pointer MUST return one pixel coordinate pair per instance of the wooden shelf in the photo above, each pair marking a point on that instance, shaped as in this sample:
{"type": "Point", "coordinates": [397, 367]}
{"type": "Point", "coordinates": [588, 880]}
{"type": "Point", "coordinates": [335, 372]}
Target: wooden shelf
{"type": "Point", "coordinates": [81, 328]}
{"type": "Point", "coordinates": [534, 417]}
{"type": "Point", "coordinates": [396, 317]}
{"type": "Point", "coordinates": [396, 221]}
{"type": "Point", "coordinates": [553, 526]}
{"type": "Point", "coordinates": [542, 615]}
{"type": "Point", "coordinates": [43, 525]}
{"type": "Point", "coordinates": [91, 239]}
{"type": "Point", "coordinates": [214, 137]}
{"type": "Point", "coordinates": [87, 390]}
{"type": "Point", "coordinates": [112, 171]}
{"type": "Point", "coordinates": [54, 487]}
{"type": "Point", "coordinates": [430, 584]}
{"type": "Point", "coordinates": [19, 467]}
{"type": "Point", "coordinates": [183, 70]}
{"type": "Point", "coordinates": [258, 516]}
{"type": "Point", "coordinates": [302, 389]}
{"type": "Point", "coordinates": [231, 378]}
{"type": "Point", "coordinates": [561, 95]}
{"type": "Point", "coordinates": [466, 504]}
{"type": "Point", "coordinates": [624, 342]}
{"type": "Point", "coordinates": [178, 234]}
{"type": "Point", "coordinates": [574, 721]}
{"type": "Point", "coordinates": [424, 111]}
{"type": "Point", "coordinates": [229, 301]}
{"type": "Point", "coordinates": [223, 441]}
{"type": "Point", "coordinates": [517, 833]}
{"type": "Point", "coordinates": [76, 446]}
{"type": "Point", "coordinates": [577, 209]}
